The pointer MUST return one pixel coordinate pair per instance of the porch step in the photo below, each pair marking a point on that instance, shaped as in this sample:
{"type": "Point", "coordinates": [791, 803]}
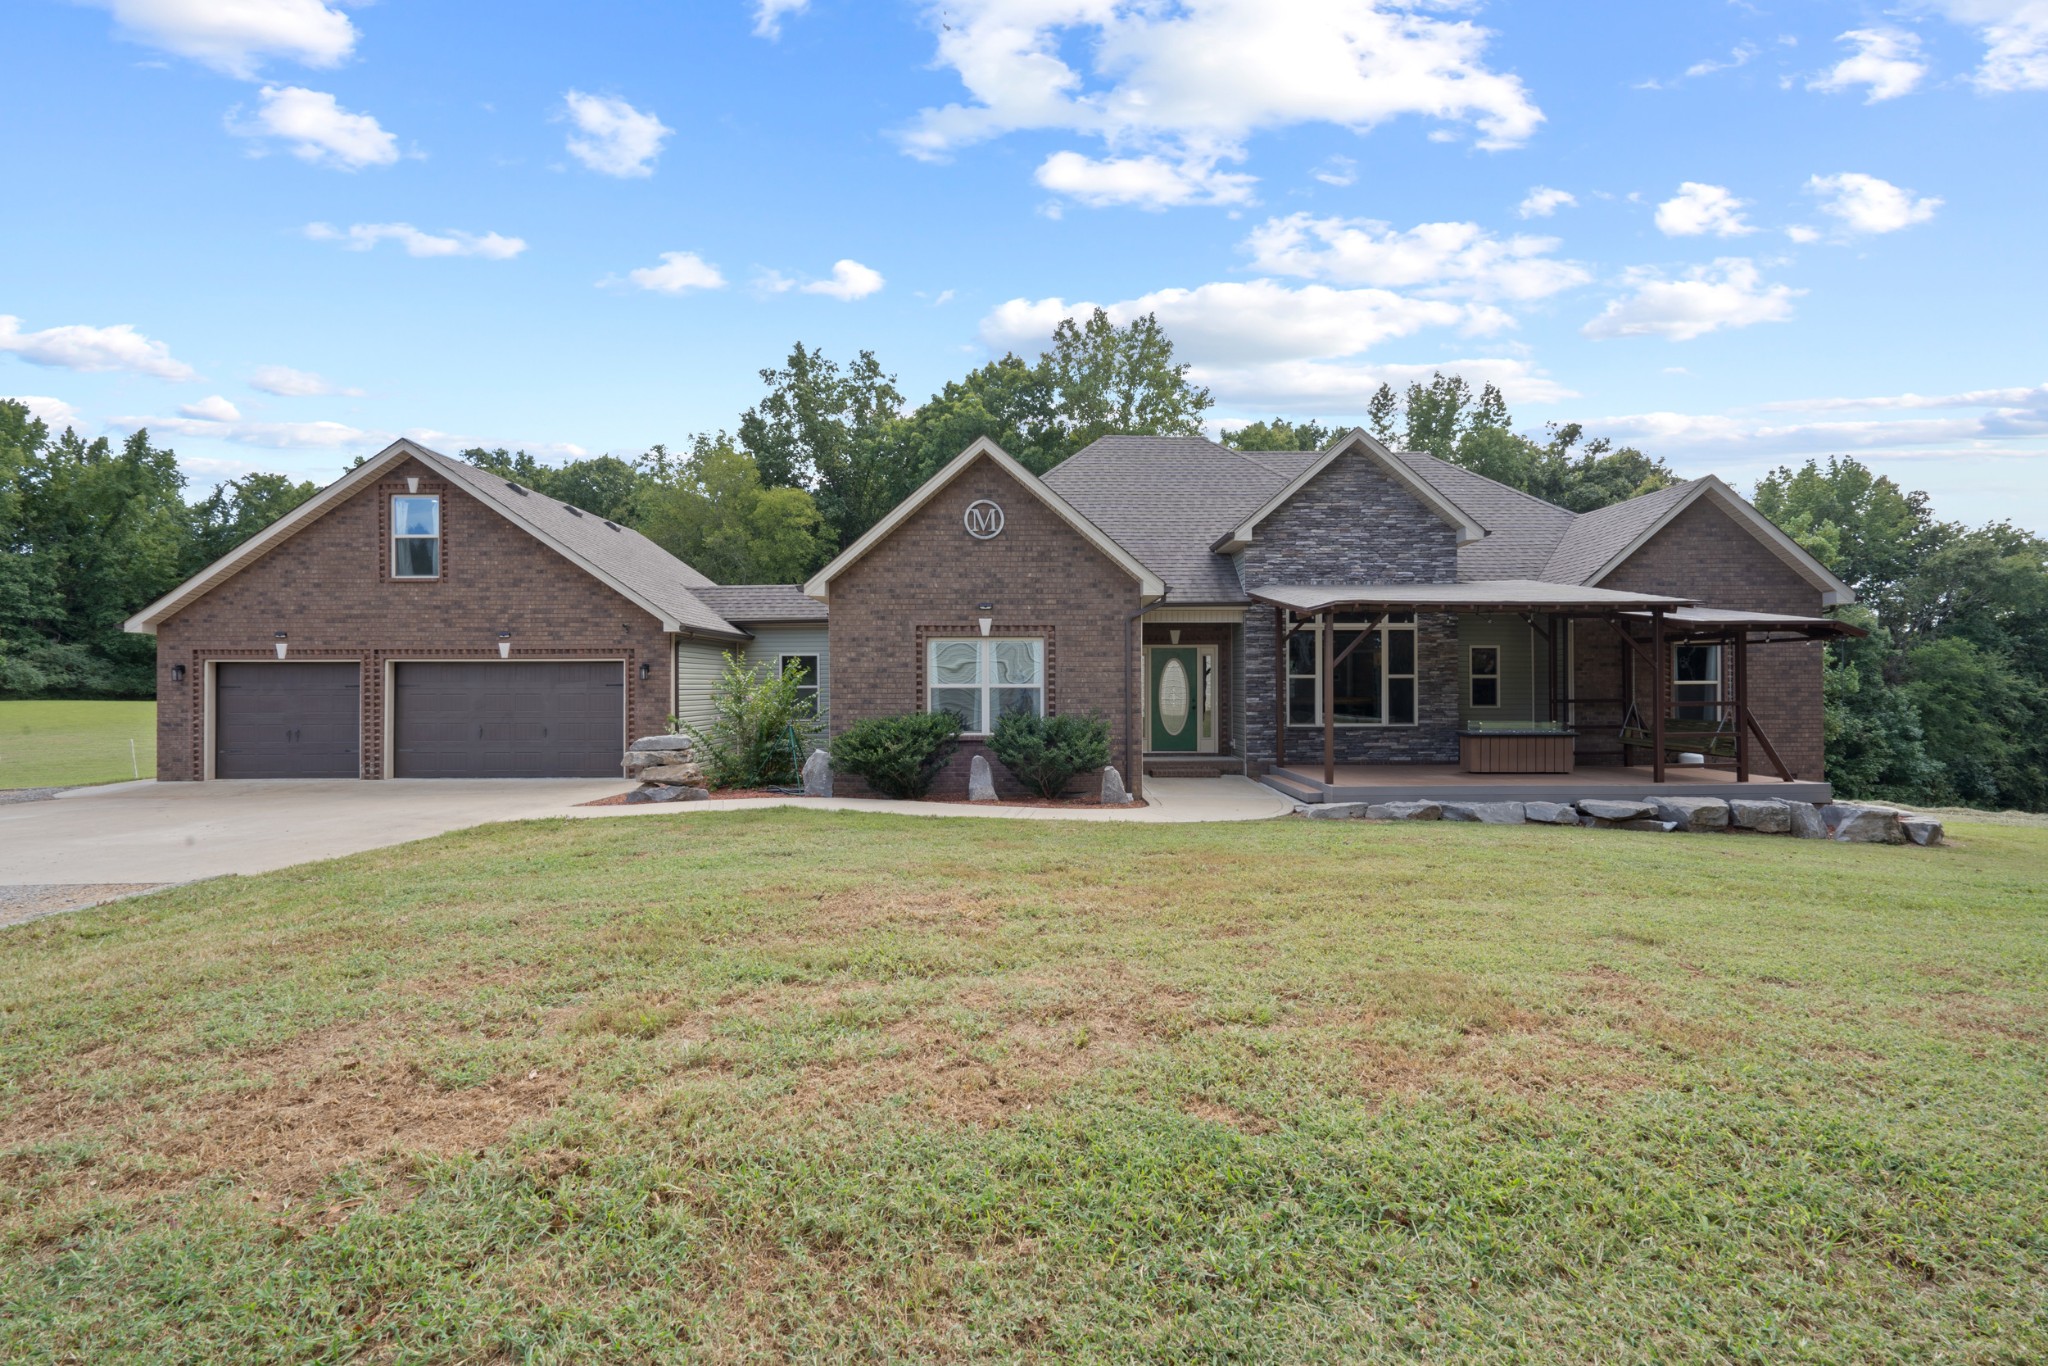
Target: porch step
{"type": "Point", "coordinates": [1287, 786]}
{"type": "Point", "coordinates": [1192, 765]}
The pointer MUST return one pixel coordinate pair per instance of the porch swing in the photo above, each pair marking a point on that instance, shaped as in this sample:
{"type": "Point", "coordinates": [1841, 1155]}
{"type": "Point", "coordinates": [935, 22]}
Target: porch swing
{"type": "Point", "coordinates": [1713, 739]}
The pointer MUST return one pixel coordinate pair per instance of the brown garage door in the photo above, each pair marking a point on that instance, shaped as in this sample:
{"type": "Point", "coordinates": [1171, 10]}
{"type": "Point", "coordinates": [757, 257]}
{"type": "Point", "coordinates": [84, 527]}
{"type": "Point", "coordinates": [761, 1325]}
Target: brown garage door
{"type": "Point", "coordinates": [287, 720]}
{"type": "Point", "coordinates": [508, 719]}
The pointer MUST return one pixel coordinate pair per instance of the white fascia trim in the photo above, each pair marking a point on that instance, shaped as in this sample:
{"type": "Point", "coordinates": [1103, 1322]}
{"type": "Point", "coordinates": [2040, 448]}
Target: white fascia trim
{"type": "Point", "coordinates": [1149, 584]}
{"type": "Point", "coordinates": [145, 621]}
{"type": "Point", "coordinates": [1833, 592]}
{"type": "Point", "coordinates": [1357, 438]}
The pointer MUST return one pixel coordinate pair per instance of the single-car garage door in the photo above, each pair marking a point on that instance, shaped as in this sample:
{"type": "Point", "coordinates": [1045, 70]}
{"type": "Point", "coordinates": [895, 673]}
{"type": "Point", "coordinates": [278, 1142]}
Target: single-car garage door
{"type": "Point", "coordinates": [508, 719]}
{"type": "Point", "coordinates": [287, 720]}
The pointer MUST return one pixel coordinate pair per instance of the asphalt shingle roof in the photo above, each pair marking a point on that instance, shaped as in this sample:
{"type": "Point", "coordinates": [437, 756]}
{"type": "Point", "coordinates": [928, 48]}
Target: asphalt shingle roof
{"type": "Point", "coordinates": [761, 602]}
{"type": "Point", "coordinates": [1595, 537]}
{"type": "Point", "coordinates": [1521, 529]}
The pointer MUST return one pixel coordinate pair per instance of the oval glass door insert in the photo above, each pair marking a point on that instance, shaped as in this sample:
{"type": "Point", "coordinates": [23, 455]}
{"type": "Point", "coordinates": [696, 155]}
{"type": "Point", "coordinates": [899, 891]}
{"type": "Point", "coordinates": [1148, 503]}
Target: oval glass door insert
{"type": "Point", "coordinates": [1173, 697]}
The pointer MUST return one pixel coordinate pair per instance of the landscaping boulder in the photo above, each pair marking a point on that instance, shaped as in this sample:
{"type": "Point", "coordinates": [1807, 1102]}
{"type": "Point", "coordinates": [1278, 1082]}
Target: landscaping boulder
{"type": "Point", "coordinates": [638, 759]}
{"type": "Point", "coordinates": [1612, 813]}
{"type": "Point", "coordinates": [1806, 821]}
{"type": "Point", "coordinates": [661, 743]}
{"type": "Point", "coordinates": [1336, 811]}
{"type": "Point", "coordinates": [1922, 829]}
{"type": "Point", "coordinates": [1654, 827]}
{"type": "Point", "coordinates": [666, 793]}
{"type": "Point", "coordinates": [1550, 813]}
{"type": "Point", "coordinates": [683, 774]}
{"type": "Point", "coordinates": [1113, 791]}
{"type": "Point", "coordinates": [1850, 824]}
{"type": "Point", "coordinates": [1404, 811]}
{"type": "Point", "coordinates": [981, 784]}
{"type": "Point", "coordinates": [1764, 817]}
{"type": "Point", "coordinates": [818, 774]}
{"type": "Point", "coordinates": [1694, 814]}
{"type": "Point", "coordinates": [1485, 813]}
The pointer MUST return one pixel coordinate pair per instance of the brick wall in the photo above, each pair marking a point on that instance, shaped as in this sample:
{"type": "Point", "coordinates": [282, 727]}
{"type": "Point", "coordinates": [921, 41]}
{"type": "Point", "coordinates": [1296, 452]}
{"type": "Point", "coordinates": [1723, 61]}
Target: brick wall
{"type": "Point", "coordinates": [926, 579]}
{"type": "Point", "coordinates": [328, 586]}
{"type": "Point", "coordinates": [1355, 523]}
{"type": "Point", "coordinates": [1706, 555]}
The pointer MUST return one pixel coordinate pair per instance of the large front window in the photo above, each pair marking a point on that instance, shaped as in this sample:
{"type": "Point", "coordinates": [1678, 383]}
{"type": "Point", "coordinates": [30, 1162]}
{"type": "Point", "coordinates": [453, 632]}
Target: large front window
{"type": "Point", "coordinates": [982, 680]}
{"type": "Point", "coordinates": [1696, 681]}
{"type": "Point", "coordinates": [415, 536]}
{"type": "Point", "coordinates": [1374, 683]}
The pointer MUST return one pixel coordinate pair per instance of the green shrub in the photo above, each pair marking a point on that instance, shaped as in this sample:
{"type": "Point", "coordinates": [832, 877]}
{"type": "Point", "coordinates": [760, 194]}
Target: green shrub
{"type": "Point", "coordinates": [1048, 752]}
{"type": "Point", "coordinates": [898, 756]}
{"type": "Point", "coordinates": [754, 712]}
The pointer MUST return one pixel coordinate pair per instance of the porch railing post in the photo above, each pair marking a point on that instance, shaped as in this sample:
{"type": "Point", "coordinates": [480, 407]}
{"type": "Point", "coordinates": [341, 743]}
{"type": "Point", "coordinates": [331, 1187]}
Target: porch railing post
{"type": "Point", "coordinates": [1329, 699]}
{"type": "Point", "coordinates": [1279, 688]}
{"type": "Point", "coordinates": [1659, 667]}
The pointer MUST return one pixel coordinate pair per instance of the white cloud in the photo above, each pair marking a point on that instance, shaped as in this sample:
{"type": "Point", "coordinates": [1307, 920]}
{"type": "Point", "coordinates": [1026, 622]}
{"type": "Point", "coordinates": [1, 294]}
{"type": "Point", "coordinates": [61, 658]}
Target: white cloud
{"type": "Point", "coordinates": [79, 347]}
{"type": "Point", "coordinates": [1700, 209]}
{"type": "Point", "coordinates": [286, 382]}
{"type": "Point", "coordinates": [2015, 34]}
{"type": "Point", "coordinates": [317, 129]}
{"type": "Point", "coordinates": [1865, 204]}
{"type": "Point", "coordinates": [213, 409]}
{"type": "Point", "coordinates": [1803, 234]}
{"type": "Point", "coordinates": [1542, 202]}
{"type": "Point", "coordinates": [1339, 171]}
{"type": "Point", "coordinates": [1886, 62]}
{"type": "Point", "coordinates": [1148, 182]}
{"type": "Point", "coordinates": [490, 246]}
{"type": "Point", "coordinates": [277, 436]}
{"type": "Point", "coordinates": [1440, 259]}
{"type": "Point", "coordinates": [768, 15]}
{"type": "Point", "coordinates": [617, 139]}
{"type": "Point", "coordinates": [2012, 400]}
{"type": "Point", "coordinates": [678, 273]}
{"type": "Point", "coordinates": [54, 412]}
{"type": "Point", "coordinates": [850, 280]}
{"type": "Point", "coordinates": [1728, 293]}
{"type": "Point", "coordinates": [542, 450]}
{"type": "Point", "coordinates": [233, 36]}
{"type": "Point", "coordinates": [1343, 388]}
{"type": "Point", "coordinates": [1194, 81]}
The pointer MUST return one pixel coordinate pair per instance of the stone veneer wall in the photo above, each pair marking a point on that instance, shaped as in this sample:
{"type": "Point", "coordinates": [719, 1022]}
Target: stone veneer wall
{"type": "Point", "coordinates": [328, 586]}
{"type": "Point", "coordinates": [1354, 523]}
{"type": "Point", "coordinates": [1706, 555]}
{"type": "Point", "coordinates": [926, 579]}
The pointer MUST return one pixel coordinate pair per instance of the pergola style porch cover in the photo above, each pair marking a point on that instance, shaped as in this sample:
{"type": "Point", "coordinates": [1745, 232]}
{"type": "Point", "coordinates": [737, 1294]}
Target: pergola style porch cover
{"type": "Point", "coordinates": [1530, 598]}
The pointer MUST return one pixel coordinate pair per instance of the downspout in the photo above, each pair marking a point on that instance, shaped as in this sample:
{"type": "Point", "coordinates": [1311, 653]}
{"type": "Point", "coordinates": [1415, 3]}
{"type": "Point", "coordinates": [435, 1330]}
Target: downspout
{"type": "Point", "coordinates": [1130, 722]}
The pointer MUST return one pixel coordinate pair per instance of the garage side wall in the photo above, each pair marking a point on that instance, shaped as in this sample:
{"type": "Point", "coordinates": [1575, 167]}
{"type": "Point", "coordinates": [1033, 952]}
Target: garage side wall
{"type": "Point", "coordinates": [329, 589]}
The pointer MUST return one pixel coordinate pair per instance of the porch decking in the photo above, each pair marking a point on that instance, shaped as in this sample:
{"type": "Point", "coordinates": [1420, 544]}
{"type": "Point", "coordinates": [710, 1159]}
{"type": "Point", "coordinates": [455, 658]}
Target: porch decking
{"type": "Point", "coordinates": [1447, 783]}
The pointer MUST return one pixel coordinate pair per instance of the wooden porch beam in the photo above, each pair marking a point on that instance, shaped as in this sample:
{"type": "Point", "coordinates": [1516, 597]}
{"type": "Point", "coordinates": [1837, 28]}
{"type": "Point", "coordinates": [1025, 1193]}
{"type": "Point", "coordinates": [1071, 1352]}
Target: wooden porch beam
{"type": "Point", "coordinates": [1280, 635]}
{"type": "Point", "coordinates": [1770, 750]}
{"type": "Point", "coordinates": [1658, 670]}
{"type": "Point", "coordinates": [1739, 650]}
{"type": "Point", "coordinates": [1323, 623]}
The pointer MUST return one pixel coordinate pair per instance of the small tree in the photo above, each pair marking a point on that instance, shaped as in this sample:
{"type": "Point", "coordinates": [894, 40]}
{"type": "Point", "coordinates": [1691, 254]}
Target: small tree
{"type": "Point", "coordinates": [761, 726]}
{"type": "Point", "coordinates": [1048, 752]}
{"type": "Point", "coordinates": [898, 756]}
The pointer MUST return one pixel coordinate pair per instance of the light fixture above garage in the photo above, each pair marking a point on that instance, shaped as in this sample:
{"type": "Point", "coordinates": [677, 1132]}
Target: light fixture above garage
{"type": "Point", "coordinates": [177, 673]}
{"type": "Point", "coordinates": [504, 644]}
{"type": "Point", "coordinates": [280, 644]}
{"type": "Point", "coordinates": [645, 669]}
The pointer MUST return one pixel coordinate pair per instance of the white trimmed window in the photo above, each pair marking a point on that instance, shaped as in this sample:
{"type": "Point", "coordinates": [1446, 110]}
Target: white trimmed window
{"type": "Point", "coordinates": [982, 679]}
{"type": "Point", "coordinates": [1375, 683]}
{"type": "Point", "coordinates": [1485, 675]}
{"type": "Point", "coordinates": [807, 666]}
{"type": "Point", "coordinates": [415, 536]}
{"type": "Point", "coordinates": [1696, 680]}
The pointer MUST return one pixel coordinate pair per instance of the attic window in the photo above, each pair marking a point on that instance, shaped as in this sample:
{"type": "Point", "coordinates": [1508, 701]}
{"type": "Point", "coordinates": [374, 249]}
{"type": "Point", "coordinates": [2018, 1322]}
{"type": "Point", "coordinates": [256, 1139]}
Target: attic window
{"type": "Point", "coordinates": [415, 536]}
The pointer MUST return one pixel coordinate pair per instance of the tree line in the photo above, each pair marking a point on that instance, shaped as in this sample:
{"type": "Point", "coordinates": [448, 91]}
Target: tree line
{"type": "Point", "coordinates": [1945, 701]}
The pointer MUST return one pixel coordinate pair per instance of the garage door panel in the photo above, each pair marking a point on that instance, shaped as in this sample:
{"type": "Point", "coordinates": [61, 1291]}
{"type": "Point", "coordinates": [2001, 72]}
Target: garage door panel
{"type": "Point", "coordinates": [511, 719]}
{"type": "Point", "coordinates": [287, 720]}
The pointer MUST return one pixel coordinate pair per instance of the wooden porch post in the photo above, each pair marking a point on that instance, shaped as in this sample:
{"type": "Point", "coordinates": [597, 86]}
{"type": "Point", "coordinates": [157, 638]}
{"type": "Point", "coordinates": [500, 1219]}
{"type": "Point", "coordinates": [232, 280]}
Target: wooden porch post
{"type": "Point", "coordinates": [1740, 703]}
{"type": "Point", "coordinates": [1329, 698]}
{"type": "Point", "coordinates": [1629, 686]}
{"type": "Point", "coordinates": [1659, 667]}
{"type": "Point", "coordinates": [1280, 688]}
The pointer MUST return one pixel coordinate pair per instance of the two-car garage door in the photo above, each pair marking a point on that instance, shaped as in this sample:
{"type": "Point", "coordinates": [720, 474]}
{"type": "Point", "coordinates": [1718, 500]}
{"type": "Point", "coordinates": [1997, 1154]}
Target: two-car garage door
{"type": "Point", "coordinates": [494, 719]}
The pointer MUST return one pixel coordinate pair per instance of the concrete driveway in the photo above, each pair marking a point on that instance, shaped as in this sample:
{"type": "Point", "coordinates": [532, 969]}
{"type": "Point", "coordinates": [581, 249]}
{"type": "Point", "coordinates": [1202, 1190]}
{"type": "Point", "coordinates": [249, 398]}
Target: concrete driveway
{"type": "Point", "coordinates": [133, 833]}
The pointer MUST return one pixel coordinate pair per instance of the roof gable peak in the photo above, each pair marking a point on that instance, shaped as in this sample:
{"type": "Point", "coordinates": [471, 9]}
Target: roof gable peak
{"type": "Point", "coordinates": [1359, 442]}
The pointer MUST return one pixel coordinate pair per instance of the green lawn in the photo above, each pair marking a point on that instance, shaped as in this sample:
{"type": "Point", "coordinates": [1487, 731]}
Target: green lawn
{"type": "Point", "coordinates": [799, 1085]}
{"type": "Point", "coordinates": [70, 744]}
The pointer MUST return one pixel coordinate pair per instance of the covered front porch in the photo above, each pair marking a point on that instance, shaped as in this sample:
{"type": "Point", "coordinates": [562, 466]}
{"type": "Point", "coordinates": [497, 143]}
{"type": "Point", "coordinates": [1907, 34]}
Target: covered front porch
{"type": "Point", "coordinates": [1433, 719]}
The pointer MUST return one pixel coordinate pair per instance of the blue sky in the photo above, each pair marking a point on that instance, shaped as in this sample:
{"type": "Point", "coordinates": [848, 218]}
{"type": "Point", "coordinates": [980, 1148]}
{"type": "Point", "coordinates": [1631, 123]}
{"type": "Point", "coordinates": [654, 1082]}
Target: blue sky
{"type": "Point", "coordinates": [280, 232]}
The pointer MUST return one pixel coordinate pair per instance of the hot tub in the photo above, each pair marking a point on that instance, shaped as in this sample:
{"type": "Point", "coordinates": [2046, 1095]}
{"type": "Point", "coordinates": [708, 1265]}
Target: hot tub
{"type": "Point", "coordinates": [1516, 747]}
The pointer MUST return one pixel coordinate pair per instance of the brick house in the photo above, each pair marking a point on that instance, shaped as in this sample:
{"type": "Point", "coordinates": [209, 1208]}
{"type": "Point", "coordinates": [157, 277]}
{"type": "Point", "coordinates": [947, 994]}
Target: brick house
{"type": "Point", "coordinates": [1292, 616]}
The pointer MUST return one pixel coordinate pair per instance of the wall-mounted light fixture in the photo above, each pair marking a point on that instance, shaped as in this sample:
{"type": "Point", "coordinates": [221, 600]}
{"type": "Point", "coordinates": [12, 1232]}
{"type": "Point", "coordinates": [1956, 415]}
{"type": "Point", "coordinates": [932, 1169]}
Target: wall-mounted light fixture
{"type": "Point", "coordinates": [984, 607]}
{"type": "Point", "coordinates": [280, 644]}
{"type": "Point", "coordinates": [504, 644]}
{"type": "Point", "coordinates": [645, 670]}
{"type": "Point", "coordinates": [177, 673]}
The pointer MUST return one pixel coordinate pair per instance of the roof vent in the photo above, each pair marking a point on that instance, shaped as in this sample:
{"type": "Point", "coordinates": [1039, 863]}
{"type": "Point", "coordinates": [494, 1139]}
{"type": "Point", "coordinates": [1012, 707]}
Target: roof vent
{"type": "Point", "coordinates": [515, 488]}
{"type": "Point", "coordinates": [610, 523]}
{"type": "Point", "coordinates": [573, 511]}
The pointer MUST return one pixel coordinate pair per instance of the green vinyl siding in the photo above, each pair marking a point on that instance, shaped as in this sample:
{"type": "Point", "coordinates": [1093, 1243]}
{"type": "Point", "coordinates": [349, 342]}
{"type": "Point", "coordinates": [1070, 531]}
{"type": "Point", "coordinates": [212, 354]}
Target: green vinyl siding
{"type": "Point", "coordinates": [1521, 668]}
{"type": "Point", "coordinates": [698, 666]}
{"type": "Point", "coordinates": [770, 643]}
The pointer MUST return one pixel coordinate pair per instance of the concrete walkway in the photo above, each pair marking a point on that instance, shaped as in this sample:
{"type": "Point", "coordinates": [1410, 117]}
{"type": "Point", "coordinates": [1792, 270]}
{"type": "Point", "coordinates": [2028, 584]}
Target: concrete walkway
{"type": "Point", "coordinates": [152, 833]}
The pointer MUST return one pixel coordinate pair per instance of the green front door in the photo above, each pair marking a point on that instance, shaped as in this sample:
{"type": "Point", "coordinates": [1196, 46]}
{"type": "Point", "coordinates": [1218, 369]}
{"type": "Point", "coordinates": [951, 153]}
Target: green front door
{"type": "Point", "coordinates": [1176, 720]}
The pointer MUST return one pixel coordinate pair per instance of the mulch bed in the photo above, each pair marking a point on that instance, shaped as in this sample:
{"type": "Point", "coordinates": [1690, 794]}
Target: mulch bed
{"type": "Point", "coordinates": [731, 792]}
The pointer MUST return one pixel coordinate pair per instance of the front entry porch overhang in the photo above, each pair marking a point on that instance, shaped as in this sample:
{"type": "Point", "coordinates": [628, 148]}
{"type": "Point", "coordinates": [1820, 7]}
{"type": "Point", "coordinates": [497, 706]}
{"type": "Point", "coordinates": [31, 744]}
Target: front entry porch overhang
{"type": "Point", "coordinates": [1670, 619]}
